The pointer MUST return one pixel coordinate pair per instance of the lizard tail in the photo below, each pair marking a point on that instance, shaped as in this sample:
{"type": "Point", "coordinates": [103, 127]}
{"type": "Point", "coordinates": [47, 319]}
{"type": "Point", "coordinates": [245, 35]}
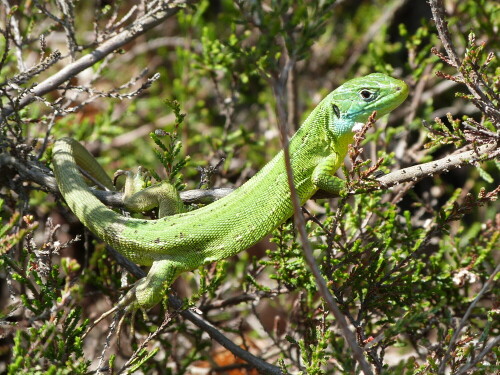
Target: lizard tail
{"type": "Point", "coordinates": [68, 155]}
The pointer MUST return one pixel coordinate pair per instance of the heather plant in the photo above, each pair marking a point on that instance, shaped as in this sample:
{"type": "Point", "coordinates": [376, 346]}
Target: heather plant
{"type": "Point", "coordinates": [202, 94]}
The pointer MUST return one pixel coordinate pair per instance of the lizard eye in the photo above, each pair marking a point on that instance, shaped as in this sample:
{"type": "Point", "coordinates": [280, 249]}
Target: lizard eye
{"type": "Point", "coordinates": [367, 95]}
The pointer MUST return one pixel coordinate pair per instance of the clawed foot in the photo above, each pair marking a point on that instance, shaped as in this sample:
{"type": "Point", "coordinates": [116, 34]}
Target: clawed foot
{"type": "Point", "coordinates": [134, 182]}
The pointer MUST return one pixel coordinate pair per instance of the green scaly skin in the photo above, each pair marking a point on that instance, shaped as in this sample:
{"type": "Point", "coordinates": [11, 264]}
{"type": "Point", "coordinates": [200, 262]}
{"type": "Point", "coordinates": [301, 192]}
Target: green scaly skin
{"type": "Point", "coordinates": [185, 241]}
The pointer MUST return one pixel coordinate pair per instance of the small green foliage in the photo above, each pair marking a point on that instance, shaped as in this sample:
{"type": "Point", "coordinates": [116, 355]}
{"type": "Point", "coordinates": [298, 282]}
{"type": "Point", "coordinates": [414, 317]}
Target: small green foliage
{"type": "Point", "coordinates": [442, 134]}
{"type": "Point", "coordinates": [59, 338]}
{"type": "Point", "coordinates": [169, 153]}
{"type": "Point", "coordinates": [142, 357]}
{"type": "Point", "coordinates": [477, 62]}
{"type": "Point", "coordinates": [10, 235]}
{"type": "Point", "coordinates": [419, 45]}
{"type": "Point", "coordinates": [314, 347]}
{"type": "Point", "coordinates": [59, 342]}
{"type": "Point", "coordinates": [212, 279]}
{"type": "Point", "coordinates": [403, 264]}
{"type": "Point", "coordinates": [287, 262]}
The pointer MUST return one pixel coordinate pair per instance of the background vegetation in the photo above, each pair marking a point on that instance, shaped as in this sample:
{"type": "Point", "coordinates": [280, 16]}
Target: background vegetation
{"type": "Point", "coordinates": [411, 268]}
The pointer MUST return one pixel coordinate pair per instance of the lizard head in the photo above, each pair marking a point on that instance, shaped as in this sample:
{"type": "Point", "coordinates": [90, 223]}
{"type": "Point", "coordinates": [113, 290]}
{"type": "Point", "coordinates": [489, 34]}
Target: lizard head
{"type": "Point", "coordinates": [352, 103]}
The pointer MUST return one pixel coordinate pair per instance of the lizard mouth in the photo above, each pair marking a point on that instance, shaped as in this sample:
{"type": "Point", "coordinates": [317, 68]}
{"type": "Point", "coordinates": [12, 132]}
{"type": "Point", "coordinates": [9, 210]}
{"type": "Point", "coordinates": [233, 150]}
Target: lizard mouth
{"type": "Point", "coordinates": [401, 93]}
{"type": "Point", "coordinates": [398, 94]}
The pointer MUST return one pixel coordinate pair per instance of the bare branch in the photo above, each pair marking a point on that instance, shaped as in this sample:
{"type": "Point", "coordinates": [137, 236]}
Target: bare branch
{"type": "Point", "coordinates": [420, 171]}
{"type": "Point", "coordinates": [43, 176]}
{"type": "Point", "coordinates": [17, 38]}
{"type": "Point", "coordinates": [438, 14]}
{"type": "Point", "coordinates": [482, 102]}
{"type": "Point", "coordinates": [139, 27]}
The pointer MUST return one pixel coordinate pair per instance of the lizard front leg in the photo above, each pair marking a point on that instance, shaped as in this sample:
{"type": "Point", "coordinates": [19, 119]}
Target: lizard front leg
{"type": "Point", "coordinates": [324, 177]}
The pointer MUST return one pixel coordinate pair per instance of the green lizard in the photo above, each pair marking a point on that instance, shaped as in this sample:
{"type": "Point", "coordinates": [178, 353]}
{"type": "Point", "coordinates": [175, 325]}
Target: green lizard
{"type": "Point", "coordinates": [185, 241]}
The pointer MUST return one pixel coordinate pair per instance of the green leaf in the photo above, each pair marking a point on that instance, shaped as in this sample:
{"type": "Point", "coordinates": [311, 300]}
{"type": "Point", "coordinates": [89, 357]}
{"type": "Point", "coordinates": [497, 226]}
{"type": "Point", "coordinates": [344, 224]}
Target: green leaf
{"type": "Point", "coordinates": [485, 175]}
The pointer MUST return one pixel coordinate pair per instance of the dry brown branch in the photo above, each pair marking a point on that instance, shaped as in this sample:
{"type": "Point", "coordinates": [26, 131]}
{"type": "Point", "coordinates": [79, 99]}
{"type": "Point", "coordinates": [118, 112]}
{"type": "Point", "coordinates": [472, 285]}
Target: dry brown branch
{"type": "Point", "coordinates": [42, 176]}
{"type": "Point", "coordinates": [420, 171]}
{"type": "Point", "coordinates": [481, 100]}
{"type": "Point", "coordinates": [131, 32]}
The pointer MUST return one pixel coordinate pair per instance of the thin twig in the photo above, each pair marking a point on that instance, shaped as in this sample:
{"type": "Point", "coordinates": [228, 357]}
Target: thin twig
{"type": "Point", "coordinates": [131, 32]}
{"type": "Point", "coordinates": [451, 345]}
{"type": "Point", "coordinates": [143, 345]}
{"type": "Point", "coordinates": [279, 90]}
{"type": "Point", "coordinates": [482, 102]}
{"type": "Point", "coordinates": [487, 349]}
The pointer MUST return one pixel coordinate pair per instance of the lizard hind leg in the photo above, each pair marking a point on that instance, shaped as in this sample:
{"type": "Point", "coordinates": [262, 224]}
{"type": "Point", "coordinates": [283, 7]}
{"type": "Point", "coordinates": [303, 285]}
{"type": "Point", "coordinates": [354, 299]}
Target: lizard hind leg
{"type": "Point", "coordinates": [138, 199]}
{"type": "Point", "coordinates": [149, 291]}
{"type": "Point", "coordinates": [146, 292]}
